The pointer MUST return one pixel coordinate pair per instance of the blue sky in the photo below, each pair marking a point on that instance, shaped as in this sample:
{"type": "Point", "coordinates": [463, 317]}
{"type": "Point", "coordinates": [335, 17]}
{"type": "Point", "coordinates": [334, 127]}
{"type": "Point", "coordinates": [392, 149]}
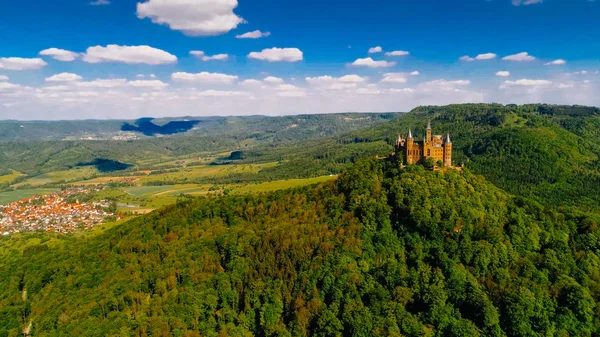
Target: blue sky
{"type": "Point", "coordinates": [121, 58]}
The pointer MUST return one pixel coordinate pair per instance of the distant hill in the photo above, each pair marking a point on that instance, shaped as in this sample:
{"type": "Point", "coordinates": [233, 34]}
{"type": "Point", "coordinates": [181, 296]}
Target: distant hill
{"type": "Point", "coordinates": [379, 252]}
{"type": "Point", "coordinates": [27, 149]}
{"type": "Point", "coordinates": [290, 127]}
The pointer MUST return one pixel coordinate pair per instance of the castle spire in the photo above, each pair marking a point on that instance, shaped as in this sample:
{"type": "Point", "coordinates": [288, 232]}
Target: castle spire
{"type": "Point", "coordinates": [448, 138]}
{"type": "Point", "coordinates": [429, 125]}
{"type": "Point", "coordinates": [409, 134]}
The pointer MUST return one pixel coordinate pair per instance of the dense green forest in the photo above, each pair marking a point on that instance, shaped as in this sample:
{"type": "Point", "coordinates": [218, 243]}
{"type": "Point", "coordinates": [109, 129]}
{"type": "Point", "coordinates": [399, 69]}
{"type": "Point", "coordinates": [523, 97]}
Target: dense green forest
{"type": "Point", "coordinates": [379, 252]}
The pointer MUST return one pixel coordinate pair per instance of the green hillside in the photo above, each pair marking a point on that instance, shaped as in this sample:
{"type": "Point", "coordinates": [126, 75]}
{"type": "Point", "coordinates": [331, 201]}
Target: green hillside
{"type": "Point", "coordinates": [548, 153]}
{"type": "Point", "coordinates": [379, 252]}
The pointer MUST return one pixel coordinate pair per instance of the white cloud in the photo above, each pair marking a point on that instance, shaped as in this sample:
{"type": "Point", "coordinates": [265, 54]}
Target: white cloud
{"type": "Point", "coordinates": [64, 77]}
{"type": "Point", "coordinates": [523, 56]}
{"type": "Point", "coordinates": [374, 50]}
{"type": "Point", "coordinates": [556, 63]}
{"type": "Point", "coordinates": [352, 79]}
{"type": "Point", "coordinates": [443, 85]}
{"type": "Point", "coordinates": [415, 73]}
{"type": "Point", "coordinates": [8, 86]}
{"type": "Point", "coordinates": [192, 17]}
{"type": "Point", "coordinates": [152, 76]}
{"type": "Point", "coordinates": [333, 83]}
{"type": "Point", "coordinates": [397, 53]}
{"type": "Point", "coordinates": [278, 55]}
{"type": "Point", "coordinates": [103, 83]}
{"type": "Point", "coordinates": [368, 91]}
{"type": "Point", "coordinates": [128, 54]}
{"type": "Point", "coordinates": [18, 63]}
{"type": "Point", "coordinates": [100, 3]}
{"type": "Point", "coordinates": [395, 78]}
{"type": "Point", "coordinates": [480, 57]}
{"type": "Point", "coordinates": [526, 2]}
{"type": "Point", "coordinates": [222, 93]}
{"type": "Point", "coordinates": [60, 54]}
{"type": "Point", "coordinates": [257, 34]}
{"type": "Point", "coordinates": [526, 83]}
{"type": "Point", "coordinates": [289, 90]}
{"type": "Point", "coordinates": [4, 78]}
{"type": "Point", "coordinates": [503, 73]}
{"type": "Point", "coordinates": [369, 62]}
{"type": "Point", "coordinates": [251, 82]}
{"type": "Point", "coordinates": [204, 77]}
{"type": "Point", "coordinates": [56, 88]}
{"type": "Point", "coordinates": [272, 79]}
{"type": "Point", "coordinates": [201, 55]}
{"type": "Point", "coordinates": [148, 84]}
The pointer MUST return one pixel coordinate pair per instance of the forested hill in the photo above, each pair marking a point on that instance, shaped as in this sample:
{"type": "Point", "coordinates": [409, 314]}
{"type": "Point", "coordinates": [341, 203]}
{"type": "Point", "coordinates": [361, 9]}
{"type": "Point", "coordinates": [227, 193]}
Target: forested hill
{"type": "Point", "coordinates": [379, 252]}
{"type": "Point", "coordinates": [546, 152]}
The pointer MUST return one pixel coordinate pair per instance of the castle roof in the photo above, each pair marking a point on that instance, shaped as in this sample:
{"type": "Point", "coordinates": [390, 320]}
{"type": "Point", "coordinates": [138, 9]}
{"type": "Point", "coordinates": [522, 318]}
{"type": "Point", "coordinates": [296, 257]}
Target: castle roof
{"type": "Point", "coordinates": [409, 134]}
{"type": "Point", "coordinates": [448, 138]}
{"type": "Point", "coordinates": [429, 125]}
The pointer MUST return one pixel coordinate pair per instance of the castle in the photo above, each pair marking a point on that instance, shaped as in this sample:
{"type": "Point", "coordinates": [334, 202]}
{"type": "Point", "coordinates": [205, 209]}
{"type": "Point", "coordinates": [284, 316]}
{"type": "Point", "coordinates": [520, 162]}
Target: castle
{"type": "Point", "coordinates": [433, 146]}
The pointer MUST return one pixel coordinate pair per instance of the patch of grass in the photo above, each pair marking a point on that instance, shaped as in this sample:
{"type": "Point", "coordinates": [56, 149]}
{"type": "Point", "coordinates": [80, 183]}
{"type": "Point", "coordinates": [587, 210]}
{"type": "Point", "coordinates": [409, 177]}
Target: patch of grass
{"type": "Point", "coordinates": [8, 178]}
{"type": "Point", "coordinates": [10, 196]}
{"type": "Point", "coordinates": [281, 185]}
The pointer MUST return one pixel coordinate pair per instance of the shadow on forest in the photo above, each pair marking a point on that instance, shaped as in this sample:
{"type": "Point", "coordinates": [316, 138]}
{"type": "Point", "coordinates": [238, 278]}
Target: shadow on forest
{"type": "Point", "coordinates": [148, 128]}
{"type": "Point", "coordinates": [106, 165]}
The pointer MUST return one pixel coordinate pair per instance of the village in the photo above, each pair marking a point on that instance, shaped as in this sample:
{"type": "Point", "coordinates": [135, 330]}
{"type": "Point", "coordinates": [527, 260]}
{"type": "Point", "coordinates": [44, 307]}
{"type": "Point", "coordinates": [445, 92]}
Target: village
{"type": "Point", "coordinates": [55, 212]}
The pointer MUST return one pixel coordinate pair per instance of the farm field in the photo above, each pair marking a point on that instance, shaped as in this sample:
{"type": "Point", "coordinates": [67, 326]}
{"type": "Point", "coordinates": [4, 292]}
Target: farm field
{"type": "Point", "coordinates": [8, 178]}
{"type": "Point", "coordinates": [10, 196]}
{"type": "Point", "coordinates": [197, 173]}
{"type": "Point", "coordinates": [75, 174]}
{"type": "Point", "coordinates": [281, 185]}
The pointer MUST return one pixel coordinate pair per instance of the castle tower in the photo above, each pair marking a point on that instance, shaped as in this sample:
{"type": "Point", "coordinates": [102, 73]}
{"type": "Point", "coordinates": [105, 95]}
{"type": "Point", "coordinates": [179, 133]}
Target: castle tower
{"type": "Point", "coordinates": [410, 141]}
{"type": "Point", "coordinates": [428, 137]}
{"type": "Point", "coordinates": [448, 152]}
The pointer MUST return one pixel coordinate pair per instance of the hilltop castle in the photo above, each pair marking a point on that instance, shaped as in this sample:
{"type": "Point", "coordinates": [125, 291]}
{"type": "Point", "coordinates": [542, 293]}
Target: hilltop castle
{"type": "Point", "coordinates": [433, 146]}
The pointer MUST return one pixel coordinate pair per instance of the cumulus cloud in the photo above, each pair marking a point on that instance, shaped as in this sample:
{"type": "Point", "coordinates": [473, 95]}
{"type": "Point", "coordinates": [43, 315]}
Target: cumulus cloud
{"type": "Point", "coordinates": [251, 82]}
{"type": "Point", "coordinates": [103, 83]}
{"type": "Point", "coordinates": [526, 83]}
{"type": "Point", "coordinates": [148, 84]}
{"type": "Point", "coordinates": [204, 77]}
{"type": "Point", "coordinates": [193, 18]}
{"type": "Point", "coordinates": [221, 93]}
{"type": "Point", "coordinates": [397, 53]}
{"type": "Point", "coordinates": [201, 55]}
{"type": "Point", "coordinates": [370, 63]}
{"type": "Point", "coordinates": [503, 73]}
{"type": "Point", "coordinates": [480, 57]}
{"type": "Point", "coordinates": [8, 86]}
{"type": "Point", "coordinates": [64, 77]}
{"type": "Point", "coordinates": [336, 83]}
{"type": "Point", "coordinates": [395, 78]}
{"type": "Point", "coordinates": [257, 34]}
{"type": "Point", "coordinates": [558, 62]}
{"type": "Point", "coordinates": [100, 3]}
{"type": "Point", "coordinates": [272, 79]}
{"type": "Point", "coordinates": [374, 50]}
{"type": "Point", "coordinates": [526, 2]}
{"type": "Point", "coordinates": [18, 63]}
{"type": "Point", "coordinates": [60, 54]}
{"type": "Point", "coordinates": [278, 55]}
{"type": "Point", "coordinates": [415, 73]}
{"type": "Point", "coordinates": [128, 54]}
{"type": "Point", "coordinates": [523, 56]}
{"type": "Point", "coordinates": [4, 78]}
